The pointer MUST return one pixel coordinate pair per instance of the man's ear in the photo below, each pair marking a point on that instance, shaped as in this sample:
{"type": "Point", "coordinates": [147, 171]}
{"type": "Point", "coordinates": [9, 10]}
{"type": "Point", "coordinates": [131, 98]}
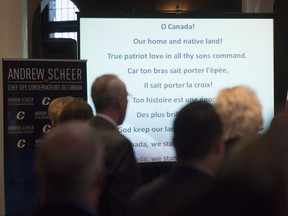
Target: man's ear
{"type": "Point", "coordinates": [118, 100]}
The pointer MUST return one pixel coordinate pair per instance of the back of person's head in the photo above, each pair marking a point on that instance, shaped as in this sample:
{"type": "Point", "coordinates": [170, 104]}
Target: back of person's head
{"type": "Point", "coordinates": [69, 161]}
{"type": "Point", "coordinates": [240, 112]}
{"type": "Point", "coordinates": [55, 108]}
{"type": "Point", "coordinates": [196, 129]}
{"type": "Point", "coordinates": [76, 110]}
{"type": "Point", "coordinates": [105, 91]}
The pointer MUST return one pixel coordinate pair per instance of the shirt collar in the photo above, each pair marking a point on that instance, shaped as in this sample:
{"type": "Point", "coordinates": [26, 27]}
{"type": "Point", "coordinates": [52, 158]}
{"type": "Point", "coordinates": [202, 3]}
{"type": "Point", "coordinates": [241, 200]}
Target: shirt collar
{"type": "Point", "coordinates": [204, 169]}
{"type": "Point", "coordinates": [108, 118]}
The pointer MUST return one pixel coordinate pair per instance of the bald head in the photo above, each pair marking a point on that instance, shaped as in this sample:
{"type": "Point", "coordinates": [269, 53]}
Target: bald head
{"type": "Point", "coordinates": [105, 90]}
{"type": "Point", "coordinates": [109, 96]}
{"type": "Point", "coordinates": [69, 159]}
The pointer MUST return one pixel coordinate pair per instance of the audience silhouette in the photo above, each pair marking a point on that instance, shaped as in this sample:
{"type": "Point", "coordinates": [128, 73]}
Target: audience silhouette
{"type": "Point", "coordinates": [69, 170]}
{"type": "Point", "coordinates": [254, 180]}
{"type": "Point", "coordinates": [109, 96]}
{"type": "Point", "coordinates": [200, 152]}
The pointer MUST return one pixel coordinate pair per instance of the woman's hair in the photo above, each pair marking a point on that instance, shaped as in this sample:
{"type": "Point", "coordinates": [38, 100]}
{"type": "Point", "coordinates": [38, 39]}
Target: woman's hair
{"type": "Point", "coordinates": [76, 110]}
{"type": "Point", "coordinates": [240, 112]}
{"type": "Point", "coordinates": [56, 106]}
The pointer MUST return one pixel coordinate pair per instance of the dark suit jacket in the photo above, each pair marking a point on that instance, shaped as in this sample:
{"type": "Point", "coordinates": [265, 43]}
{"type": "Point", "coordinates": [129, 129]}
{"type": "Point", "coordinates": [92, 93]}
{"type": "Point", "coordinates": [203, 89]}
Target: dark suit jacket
{"type": "Point", "coordinates": [171, 194]}
{"type": "Point", "coordinates": [66, 209]}
{"type": "Point", "coordinates": [123, 172]}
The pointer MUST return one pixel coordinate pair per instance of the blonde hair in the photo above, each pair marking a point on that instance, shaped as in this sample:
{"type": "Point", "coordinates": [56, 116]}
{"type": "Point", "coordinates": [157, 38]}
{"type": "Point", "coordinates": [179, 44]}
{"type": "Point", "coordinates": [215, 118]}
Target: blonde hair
{"type": "Point", "coordinates": [240, 112]}
{"type": "Point", "coordinates": [56, 106]}
{"type": "Point", "coordinates": [76, 110]}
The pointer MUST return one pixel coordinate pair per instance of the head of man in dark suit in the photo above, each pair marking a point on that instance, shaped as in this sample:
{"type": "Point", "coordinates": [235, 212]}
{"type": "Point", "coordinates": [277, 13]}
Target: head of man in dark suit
{"type": "Point", "coordinates": [200, 151]}
{"type": "Point", "coordinates": [198, 136]}
{"type": "Point", "coordinates": [69, 170]}
{"type": "Point", "coordinates": [109, 96]}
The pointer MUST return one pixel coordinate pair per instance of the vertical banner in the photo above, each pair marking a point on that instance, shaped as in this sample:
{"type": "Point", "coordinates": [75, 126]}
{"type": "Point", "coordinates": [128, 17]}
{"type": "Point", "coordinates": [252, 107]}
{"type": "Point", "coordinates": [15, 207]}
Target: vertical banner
{"type": "Point", "coordinates": [29, 87]}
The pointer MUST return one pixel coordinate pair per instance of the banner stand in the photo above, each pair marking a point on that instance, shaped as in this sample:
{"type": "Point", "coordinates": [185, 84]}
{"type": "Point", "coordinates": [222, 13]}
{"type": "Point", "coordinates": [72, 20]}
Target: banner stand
{"type": "Point", "coordinates": [29, 85]}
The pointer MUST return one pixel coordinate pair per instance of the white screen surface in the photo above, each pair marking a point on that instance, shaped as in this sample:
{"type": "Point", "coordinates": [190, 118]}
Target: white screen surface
{"type": "Point", "coordinates": [165, 63]}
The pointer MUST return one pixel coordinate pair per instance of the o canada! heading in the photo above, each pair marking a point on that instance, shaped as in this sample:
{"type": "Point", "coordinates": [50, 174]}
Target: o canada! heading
{"type": "Point", "coordinates": [176, 27]}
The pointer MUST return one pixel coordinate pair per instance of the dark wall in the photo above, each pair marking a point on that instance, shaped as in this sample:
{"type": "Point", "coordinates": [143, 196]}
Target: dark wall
{"type": "Point", "coordinates": [228, 5]}
{"type": "Point", "coordinates": [281, 53]}
{"type": "Point", "coordinates": [89, 6]}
